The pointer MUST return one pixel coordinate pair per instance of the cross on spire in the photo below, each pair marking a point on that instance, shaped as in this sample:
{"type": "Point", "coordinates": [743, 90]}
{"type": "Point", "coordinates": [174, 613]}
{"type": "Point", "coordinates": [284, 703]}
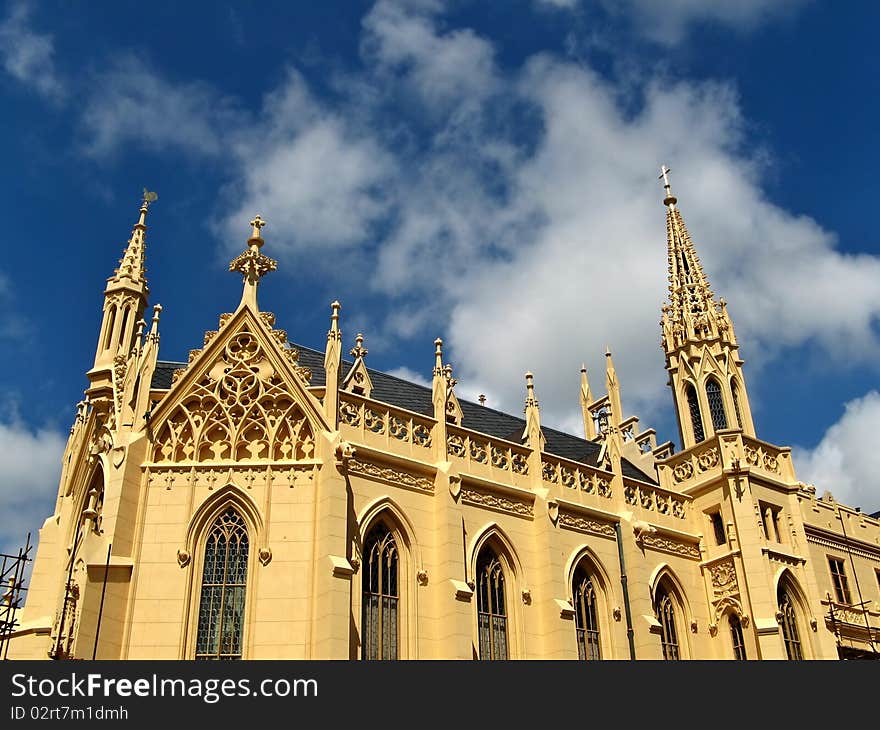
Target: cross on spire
{"type": "Point", "coordinates": [252, 264]}
{"type": "Point", "coordinates": [257, 225]}
{"type": "Point", "coordinates": [670, 199]}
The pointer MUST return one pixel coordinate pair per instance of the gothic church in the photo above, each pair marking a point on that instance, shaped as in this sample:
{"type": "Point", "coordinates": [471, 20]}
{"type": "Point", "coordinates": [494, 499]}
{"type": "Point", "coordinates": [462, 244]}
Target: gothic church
{"type": "Point", "coordinates": [267, 500]}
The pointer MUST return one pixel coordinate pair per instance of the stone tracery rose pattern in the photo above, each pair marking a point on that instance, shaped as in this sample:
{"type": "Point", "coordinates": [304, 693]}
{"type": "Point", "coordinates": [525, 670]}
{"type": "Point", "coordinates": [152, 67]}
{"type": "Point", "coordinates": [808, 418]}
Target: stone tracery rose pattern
{"type": "Point", "coordinates": [242, 409]}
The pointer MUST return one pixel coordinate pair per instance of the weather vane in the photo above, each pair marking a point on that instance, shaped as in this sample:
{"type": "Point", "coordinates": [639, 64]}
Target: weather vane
{"type": "Point", "coordinates": [150, 197]}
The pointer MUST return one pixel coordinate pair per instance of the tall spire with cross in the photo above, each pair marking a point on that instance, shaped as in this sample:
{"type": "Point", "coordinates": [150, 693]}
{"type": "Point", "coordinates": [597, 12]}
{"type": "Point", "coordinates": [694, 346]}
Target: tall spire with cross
{"type": "Point", "coordinates": [698, 339]}
{"type": "Point", "coordinates": [125, 299]}
{"type": "Point", "coordinates": [693, 312]}
{"type": "Point", "coordinates": [253, 265]}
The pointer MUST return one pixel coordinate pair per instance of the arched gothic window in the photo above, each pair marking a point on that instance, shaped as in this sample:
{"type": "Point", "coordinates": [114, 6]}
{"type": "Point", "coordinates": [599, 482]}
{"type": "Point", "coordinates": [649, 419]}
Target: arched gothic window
{"type": "Point", "coordinates": [380, 595]}
{"type": "Point", "coordinates": [586, 618]}
{"type": "Point", "coordinates": [734, 389]}
{"type": "Point", "coordinates": [716, 404]}
{"type": "Point", "coordinates": [789, 624]}
{"type": "Point", "coordinates": [696, 417]}
{"type": "Point", "coordinates": [736, 637]}
{"type": "Point", "coordinates": [224, 582]}
{"type": "Point", "coordinates": [665, 608]}
{"type": "Point", "coordinates": [491, 607]}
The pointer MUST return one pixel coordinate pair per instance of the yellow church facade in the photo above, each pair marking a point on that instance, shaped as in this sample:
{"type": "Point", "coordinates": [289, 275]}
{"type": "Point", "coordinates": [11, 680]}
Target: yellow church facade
{"type": "Point", "coordinates": [269, 501]}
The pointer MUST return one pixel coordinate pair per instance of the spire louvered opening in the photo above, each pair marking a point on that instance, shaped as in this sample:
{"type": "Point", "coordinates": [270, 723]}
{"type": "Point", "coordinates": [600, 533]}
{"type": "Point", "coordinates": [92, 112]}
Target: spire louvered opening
{"type": "Point", "coordinates": [716, 404]}
{"type": "Point", "coordinates": [696, 416]}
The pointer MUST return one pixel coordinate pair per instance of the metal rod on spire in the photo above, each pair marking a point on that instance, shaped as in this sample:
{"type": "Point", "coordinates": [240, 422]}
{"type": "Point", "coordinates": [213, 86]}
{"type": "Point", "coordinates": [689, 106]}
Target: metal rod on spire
{"type": "Point", "coordinates": [670, 199]}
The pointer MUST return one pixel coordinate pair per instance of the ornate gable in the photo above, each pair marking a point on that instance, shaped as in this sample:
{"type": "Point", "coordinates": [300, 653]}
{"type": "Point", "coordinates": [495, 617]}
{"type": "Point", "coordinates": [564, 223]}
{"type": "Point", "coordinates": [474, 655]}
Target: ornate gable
{"type": "Point", "coordinates": [242, 398]}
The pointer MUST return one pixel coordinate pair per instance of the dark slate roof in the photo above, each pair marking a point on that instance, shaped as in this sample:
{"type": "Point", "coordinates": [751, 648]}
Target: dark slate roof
{"type": "Point", "coordinates": [163, 373]}
{"type": "Point", "coordinates": [417, 398]}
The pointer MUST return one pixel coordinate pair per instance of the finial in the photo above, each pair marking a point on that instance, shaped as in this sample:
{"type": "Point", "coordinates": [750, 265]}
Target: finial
{"type": "Point", "coordinates": [447, 373]}
{"type": "Point", "coordinates": [607, 351]}
{"type": "Point", "coordinates": [256, 230]}
{"type": "Point", "coordinates": [148, 197]}
{"type": "Point", "coordinates": [482, 398]}
{"type": "Point", "coordinates": [253, 265]}
{"type": "Point", "coordinates": [154, 328]}
{"type": "Point", "coordinates": [530, 390]}
{"type": "Point", "coordinates": [335, 306]}
{"type": "Point", "coordinates": [670, 199]}
{"type": "Point", "coordinates": [438, 356]}
{"type": "Point", "coordinates": [358, 350]}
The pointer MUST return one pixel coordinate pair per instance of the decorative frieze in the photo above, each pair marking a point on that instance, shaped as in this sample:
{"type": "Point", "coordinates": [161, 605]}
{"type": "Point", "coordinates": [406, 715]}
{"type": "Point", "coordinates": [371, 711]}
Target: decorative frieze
{"type": "Point", "coordinates": [394, 476]}
{"type": "Point", "coordinates": [288, 475]}
{"type": "Point", "coordinates": [665, 544]}
{"type": "Point", "coordinates": [500, 502]}
{"type": "Point", "coordinates": [584, 524]}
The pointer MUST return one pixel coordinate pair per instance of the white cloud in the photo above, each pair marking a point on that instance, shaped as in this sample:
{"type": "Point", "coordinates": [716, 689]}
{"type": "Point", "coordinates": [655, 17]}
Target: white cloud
{"type": "Point", "coordinates": [27, 56]}
{"type": "Point", "coordinates": [846, 461]}
{"type": "Point", "coordinates": [444, 69]}
{"type": "Point", "coordinates": [405, 373]}
{"type": "Point", "coordinates": [667, 22]}
{"type": "Point", "coordinates": [317, 179]}
{"type": "Point", "coordinates": [30, 461]}
{"type": "Point", "coordinates": [517, 213]}
{"type": "Point", "coordinates": [131, 103]}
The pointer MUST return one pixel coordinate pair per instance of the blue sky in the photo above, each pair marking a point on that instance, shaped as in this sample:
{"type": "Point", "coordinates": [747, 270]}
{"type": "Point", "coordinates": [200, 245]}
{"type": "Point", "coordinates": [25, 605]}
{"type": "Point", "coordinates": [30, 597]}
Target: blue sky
{"type": "Point", "coordinates": [480, 171]}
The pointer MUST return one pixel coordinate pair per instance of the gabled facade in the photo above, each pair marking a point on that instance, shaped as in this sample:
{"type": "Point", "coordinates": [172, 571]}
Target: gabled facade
{"type": "Point", "coordinates": [267, 500]}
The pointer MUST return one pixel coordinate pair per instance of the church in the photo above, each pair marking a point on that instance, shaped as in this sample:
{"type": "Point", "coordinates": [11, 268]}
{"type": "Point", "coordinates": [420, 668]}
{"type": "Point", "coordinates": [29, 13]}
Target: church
{"type": "Point", "coordinates": [266, 500]}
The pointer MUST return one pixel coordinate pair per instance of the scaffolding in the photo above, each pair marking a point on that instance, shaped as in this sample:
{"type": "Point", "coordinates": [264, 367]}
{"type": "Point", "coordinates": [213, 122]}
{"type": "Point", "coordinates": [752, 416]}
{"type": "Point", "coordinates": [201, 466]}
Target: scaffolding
{"type": "Point", "coordinates": [12, 575]}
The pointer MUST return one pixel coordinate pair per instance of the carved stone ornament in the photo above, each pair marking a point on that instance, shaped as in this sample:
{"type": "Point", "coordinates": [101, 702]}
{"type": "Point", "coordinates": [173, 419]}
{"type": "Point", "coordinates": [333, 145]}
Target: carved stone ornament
{"type": "Point", "coordinates": [671, 546]}
{"type": "Point", "coordinates": [397, 477]}
{"type": "Point", "coordinates": [713, 629]}
{"type": "Point", "coordinates": [344, 452]}
{"type": "Point", "coordinates": [615, 612]}
{"type": "Point", "coordinates": [422, 577]}
{"type": "Point", "coordinates": [265, 555]}
{"type": "Point", "coordinates": [499, 502]}
{"type": "Point", "coordinates": [641, 529]}
{"type": "Point", "coordinates": [584, 524]}
{"type": "Point", "coordinates": [553, 511]}
{"type": "Point", "coordinates": [527, 597]}
{"type": "Point", "coordinates": [355, 564]}
{"type": "Point", "coordinates": [241, 408]}
{"type": "Point", "coordinates": [814, 624]}
{"type": "Point", "coordinates": [454, 485]}
{"type": "Point", "coordinates": [183, 558]}
{"type": "Point", "coordinates": [724, 581]}
{"type": "Point", "coordinates": [693, 627]}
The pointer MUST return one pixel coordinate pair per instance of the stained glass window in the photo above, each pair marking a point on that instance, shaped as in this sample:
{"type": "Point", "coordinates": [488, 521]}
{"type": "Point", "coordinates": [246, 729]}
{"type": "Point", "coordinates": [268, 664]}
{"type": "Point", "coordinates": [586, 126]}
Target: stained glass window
{"type": "Point", "coordinates": [666, 616]}
{"type": "Point", "coordinates": [736, 636]}
{"type": "Point", "coordinates": [585, 616]}
{"type": "Point", "coordinates": [380, 595]}
{"type": "Point", "coordinates": [491, 609]}
{"type": "Point", "coordinates": [789, 624]}
{"type": "Point", "coordinates": [224, 581]}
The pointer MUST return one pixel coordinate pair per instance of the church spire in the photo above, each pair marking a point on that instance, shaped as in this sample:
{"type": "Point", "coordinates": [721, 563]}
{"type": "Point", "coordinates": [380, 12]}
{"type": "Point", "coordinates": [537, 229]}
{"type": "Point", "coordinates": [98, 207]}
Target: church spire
{"type": "Point", "coordinates": [253, 265]}
{"type": "Point", "coordinates": [131, 266]}
{"type": "Point", "coordinates": [698, 339]}
{"type": "Point", "coordinates": [125, 299]}
{"type": "Point", "coordinates": [693, 314]}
